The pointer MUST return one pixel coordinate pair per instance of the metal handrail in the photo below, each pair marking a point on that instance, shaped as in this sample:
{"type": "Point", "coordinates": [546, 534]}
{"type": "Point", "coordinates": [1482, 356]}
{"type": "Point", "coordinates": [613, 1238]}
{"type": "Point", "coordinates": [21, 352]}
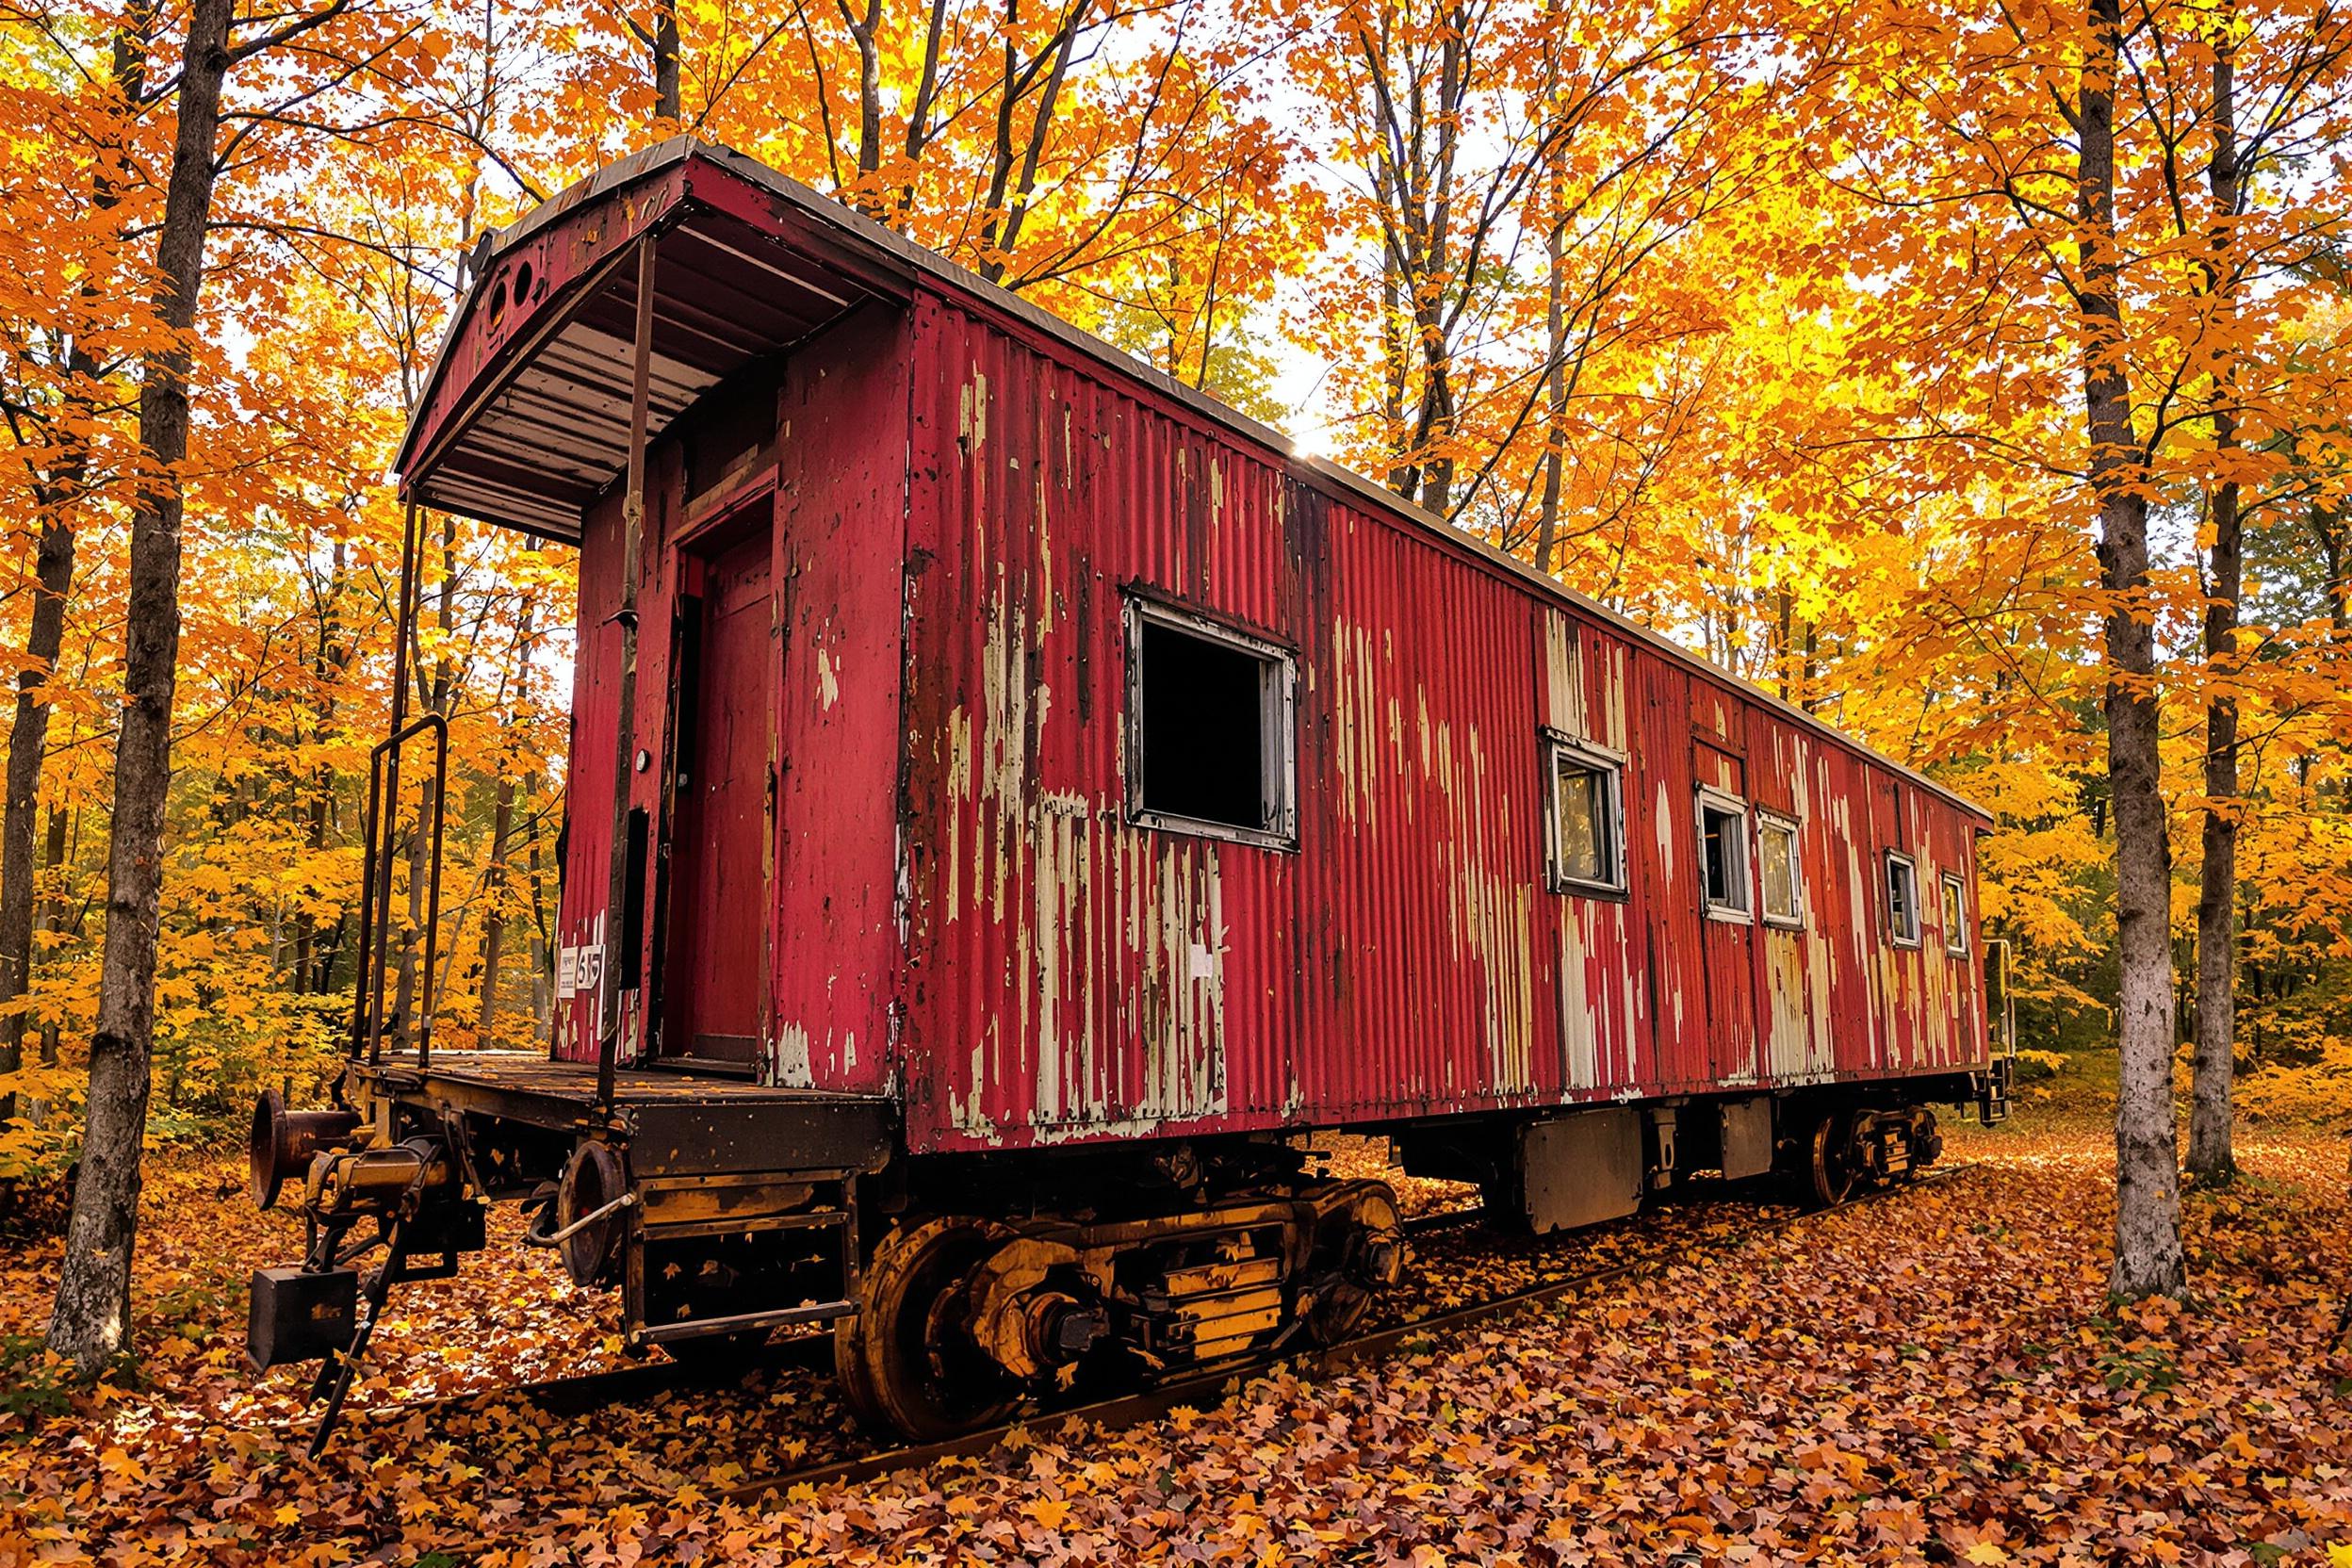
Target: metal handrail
{"type": "Point", "coordinates": [383, 782]}
{"type": "Point", "coordinates": [2007, 1035]}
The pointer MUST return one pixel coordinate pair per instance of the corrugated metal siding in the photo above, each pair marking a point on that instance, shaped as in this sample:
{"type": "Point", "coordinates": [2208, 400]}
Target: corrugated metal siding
{"type": "Point", "coordinates": [961, 519]}
{"type": "Point", "coordinates": [841, 502]}
{"type": "Point", "coordinates": [1070, 974]}
{"type": "Point", "coordinates": [588, 789]}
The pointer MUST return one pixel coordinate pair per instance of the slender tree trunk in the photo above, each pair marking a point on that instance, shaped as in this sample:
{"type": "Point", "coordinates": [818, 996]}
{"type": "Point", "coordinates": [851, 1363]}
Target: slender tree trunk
{"type": "Point", "coordinates": [56, 916]}
{"type": "Point", "coordinates": [1555, 395]}
{"type": "Point", "coordinates": [407, 985]}
{"type": "Point", "coordinates": [494, 916]}
{"type": "Point", "coordinates": [542, 997]}
{"type": "Point", "coordinates": [863, 31]}
{"type": "Point", "coordinates": [2211, 1157]}
{"type": "Point", "coordinates": [494, 921]}
{"type": "Point", "coordinates": [53, 573]}
{"type": "Point", "coordinates": [2335, 553]}
{"type": "Point", "coordinates": [668, 101]}
{"type": "Point", "coordinates": [28, 742]}
{"type": "Point", "coordinates": [91, 1322]}
{"type": "Point", "coordinates": [2147, 1174]}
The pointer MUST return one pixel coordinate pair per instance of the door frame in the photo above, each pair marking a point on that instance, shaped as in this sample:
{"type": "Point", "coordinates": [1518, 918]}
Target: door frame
{"type": "Point", "coordinates": [723, 528]}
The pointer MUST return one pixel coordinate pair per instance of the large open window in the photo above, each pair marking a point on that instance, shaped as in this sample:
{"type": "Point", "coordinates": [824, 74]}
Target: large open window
{"type": "Point", "coordinates": [1588, 819]}
{"type": "Point", "coordinates": [1955, 916]}
{"type": "Point", "coordinates": [1903, 900]}
{"type": "Point", "coordinates": [1783, 874]}
{"type": "Point", "coordinates": [1209, 737]}
{"type": "Point", "coordinates": [1724, 856]}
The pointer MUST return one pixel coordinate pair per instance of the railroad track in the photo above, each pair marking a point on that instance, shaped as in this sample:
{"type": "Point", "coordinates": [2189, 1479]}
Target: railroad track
{"type": "Point", "coordinates": [1212, 1386]}
{"type": "Point", "coordinates": [580, 1394]}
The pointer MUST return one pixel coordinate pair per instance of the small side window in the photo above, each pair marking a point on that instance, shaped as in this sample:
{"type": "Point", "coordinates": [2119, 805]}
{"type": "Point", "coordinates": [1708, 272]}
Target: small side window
{"type": "Point", "coordinates": [1209, 739]}
{"type": "Point", "coordinates": [1783, 877]}
{"type": "Point", "coordinates": [1724, 856]}
{"type": "Point", "coordinates": [1903, 900]}
{"type": "Point", "coordinates": [1588, 819]}
{"type": "Point", "coordinates": [1955, 916]}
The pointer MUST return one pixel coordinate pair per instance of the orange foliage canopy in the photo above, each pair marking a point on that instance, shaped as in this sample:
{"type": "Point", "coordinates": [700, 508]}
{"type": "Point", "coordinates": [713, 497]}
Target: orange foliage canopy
{"type": "Point", "coordinates": [1748, 318]}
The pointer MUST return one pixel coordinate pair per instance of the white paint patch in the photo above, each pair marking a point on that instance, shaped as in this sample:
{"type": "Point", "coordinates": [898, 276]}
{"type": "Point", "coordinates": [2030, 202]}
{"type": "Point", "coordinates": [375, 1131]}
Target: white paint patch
{"type": "Point", "coordinates": [1563, 677]}
{"type": "Point", "coordinates": [828, 682]}
{"type": "Point", "coordinates": [792, 1057]}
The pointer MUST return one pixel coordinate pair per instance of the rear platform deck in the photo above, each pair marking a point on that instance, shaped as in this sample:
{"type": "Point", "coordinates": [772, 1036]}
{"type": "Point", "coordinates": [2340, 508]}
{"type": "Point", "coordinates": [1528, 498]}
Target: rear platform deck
{"type": "Point", "coordinates": [673, 1121]}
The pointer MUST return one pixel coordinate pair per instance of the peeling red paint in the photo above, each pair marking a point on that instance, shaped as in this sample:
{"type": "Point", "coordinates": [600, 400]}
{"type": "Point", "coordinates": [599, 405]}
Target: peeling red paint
{"type": "Point", "coordinates": [961, 501]}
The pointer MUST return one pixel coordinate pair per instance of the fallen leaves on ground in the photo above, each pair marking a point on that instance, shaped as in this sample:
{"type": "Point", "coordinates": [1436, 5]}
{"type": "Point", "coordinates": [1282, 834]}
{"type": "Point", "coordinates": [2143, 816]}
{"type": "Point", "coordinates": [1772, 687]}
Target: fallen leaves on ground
{"type": "Point", "coordinates": [1934, 1378]}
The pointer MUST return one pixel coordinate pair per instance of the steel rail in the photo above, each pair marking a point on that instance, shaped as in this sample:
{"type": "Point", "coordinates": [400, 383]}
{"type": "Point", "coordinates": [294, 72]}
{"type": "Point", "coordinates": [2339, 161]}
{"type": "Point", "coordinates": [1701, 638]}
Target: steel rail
{"type": "Point", "coordinates": [1213, 1385]}
{"type": "Point", "coordinates": [578, 1394]}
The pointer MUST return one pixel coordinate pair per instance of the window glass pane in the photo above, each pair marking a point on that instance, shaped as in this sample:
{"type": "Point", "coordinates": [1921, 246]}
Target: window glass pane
{"type": "Point", "coordinates": [1955, 916]}
{"type": "Point", "coordinates": [1778, 843]}
{"type": "Point", "coordinates": [1725, 838]}
{"type": "Point", "coordinates": [1584, 842]}
{"type": "Point", "coordinates": [1903, 903]}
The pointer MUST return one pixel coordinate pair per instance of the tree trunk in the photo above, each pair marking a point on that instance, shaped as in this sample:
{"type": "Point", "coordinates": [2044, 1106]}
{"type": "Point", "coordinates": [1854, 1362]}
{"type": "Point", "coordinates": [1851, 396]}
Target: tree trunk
{"type": "Point", "coordinates": [53, 573]}
{"type": "Point", "coordinates": [2211, 1157]}
{"type": "Point", "coordinates": [28, 742]}
{"type": "Point", "coordinates": [56, 919]}
{"type": "Point", "coordinates": [89, 1323]}
{"type": "Point", "coordinates": [2147, 1175]}
{"type": "Point", "coordinates": [494, 917]}
{"type": "Point", "coordinates": [408, 998]}
{"type": "Point", "coordinates": [1555, 395]}
{"type": "Point", "coordinates": [668, 102]}
{"type": "Point", "coordinates": [541, 987]}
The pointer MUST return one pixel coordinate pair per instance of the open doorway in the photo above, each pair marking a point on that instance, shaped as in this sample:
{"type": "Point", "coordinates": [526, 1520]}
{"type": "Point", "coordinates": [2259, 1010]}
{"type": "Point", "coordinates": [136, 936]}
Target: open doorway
{"type": "Point", "coordinates": [715, 981]}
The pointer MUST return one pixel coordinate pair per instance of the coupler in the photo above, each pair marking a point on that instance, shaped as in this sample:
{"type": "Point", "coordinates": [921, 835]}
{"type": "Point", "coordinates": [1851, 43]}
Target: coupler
{"type": "Point", "coordinates": [324, 1310]}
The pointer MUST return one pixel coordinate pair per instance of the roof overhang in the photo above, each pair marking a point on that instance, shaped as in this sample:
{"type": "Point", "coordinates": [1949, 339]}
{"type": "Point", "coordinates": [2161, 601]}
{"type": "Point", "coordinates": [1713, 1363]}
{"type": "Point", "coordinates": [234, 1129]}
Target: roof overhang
{"type": "Point", "coordinates": [525, 419]}
{"type": "Point", "coordinates": [526, 416]}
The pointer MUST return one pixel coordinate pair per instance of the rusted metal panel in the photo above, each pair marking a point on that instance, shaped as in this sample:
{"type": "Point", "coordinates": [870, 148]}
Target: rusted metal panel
{"type": "Point", "coordinates": [1069, 973]}
{"type": "Point", "coordinates": [839, 542]}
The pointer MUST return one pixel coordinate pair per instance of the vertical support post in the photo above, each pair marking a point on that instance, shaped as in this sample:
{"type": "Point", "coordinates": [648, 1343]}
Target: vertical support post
{"type": "Point", "coordinates": [383, 808]}
{"type": "Point", "coordinates": [617, 964]}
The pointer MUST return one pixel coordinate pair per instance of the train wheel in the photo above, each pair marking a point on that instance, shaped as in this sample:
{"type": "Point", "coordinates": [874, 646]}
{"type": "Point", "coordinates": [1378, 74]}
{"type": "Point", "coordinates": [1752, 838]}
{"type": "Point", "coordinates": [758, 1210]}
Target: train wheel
{"type": "Point", "coordinates": [1359, 1253]}
{"type": "Point", "coordinates": [1829, 1169]}
{"type": "Point", "coordinates": [907, 1359]}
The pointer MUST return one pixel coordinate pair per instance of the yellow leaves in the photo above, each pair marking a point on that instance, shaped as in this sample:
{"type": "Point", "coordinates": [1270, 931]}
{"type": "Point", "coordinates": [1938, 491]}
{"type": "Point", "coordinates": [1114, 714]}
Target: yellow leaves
{"type": "Point", "coordinates": [1048, 1511]}
{"type": "Point", "coordinates": [1986, 1551]}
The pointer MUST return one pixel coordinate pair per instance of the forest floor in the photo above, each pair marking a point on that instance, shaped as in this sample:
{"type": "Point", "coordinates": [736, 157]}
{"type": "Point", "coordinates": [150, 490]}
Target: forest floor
{"type": "Point", "coordinates": [1936, 1377]}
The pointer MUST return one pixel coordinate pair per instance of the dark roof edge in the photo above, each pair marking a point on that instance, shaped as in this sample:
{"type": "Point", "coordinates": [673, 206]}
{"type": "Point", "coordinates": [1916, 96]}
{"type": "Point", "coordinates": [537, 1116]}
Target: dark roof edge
{"type": "Point", "coordinates": [907, 255]}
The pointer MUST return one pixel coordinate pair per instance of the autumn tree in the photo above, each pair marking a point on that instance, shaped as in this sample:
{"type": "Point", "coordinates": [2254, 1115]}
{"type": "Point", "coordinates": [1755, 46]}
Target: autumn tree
{"type": "Point", "coordinates": [1514, 170]}
{"type": "Point", "coordinates": [91, 1322]}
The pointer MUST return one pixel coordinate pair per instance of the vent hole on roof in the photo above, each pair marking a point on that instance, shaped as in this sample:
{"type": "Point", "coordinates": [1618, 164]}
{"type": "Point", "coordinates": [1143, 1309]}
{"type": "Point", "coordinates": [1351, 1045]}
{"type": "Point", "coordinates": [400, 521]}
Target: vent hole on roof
{"type": "Point", "coordinates": [522, 281]}
{"type": "Point", "coordinates": [497, 301]}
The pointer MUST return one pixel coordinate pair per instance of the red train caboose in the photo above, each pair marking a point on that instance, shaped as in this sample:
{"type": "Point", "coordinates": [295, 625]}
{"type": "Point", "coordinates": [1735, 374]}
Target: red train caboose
{"type": "Point", "coordinates": [1013, 798]}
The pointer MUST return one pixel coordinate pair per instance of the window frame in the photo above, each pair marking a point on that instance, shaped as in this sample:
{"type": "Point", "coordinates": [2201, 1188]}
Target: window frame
{"type": "Point", "coordinates": [1724, 803]}
{"type": "Point", "coordinates": [1556, 749]}
{"type": "Point", "coordinates": [1776, 821]}
{"type": "Point", "coordinates": [1895, 932]}
{"type": "Point", "coordinates": [1955, 887]}
{"type": "Point", "coordinates": [1278, 722]}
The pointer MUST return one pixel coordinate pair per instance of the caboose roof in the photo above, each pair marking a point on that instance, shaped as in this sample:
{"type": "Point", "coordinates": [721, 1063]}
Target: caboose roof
{"type": "Point", "coordinates": [525, 418]}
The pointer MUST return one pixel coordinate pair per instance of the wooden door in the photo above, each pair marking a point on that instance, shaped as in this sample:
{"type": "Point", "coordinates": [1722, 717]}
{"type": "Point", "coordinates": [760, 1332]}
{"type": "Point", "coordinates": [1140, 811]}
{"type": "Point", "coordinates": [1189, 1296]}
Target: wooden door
{"type": "Point", "coordinates": [715, 981]}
